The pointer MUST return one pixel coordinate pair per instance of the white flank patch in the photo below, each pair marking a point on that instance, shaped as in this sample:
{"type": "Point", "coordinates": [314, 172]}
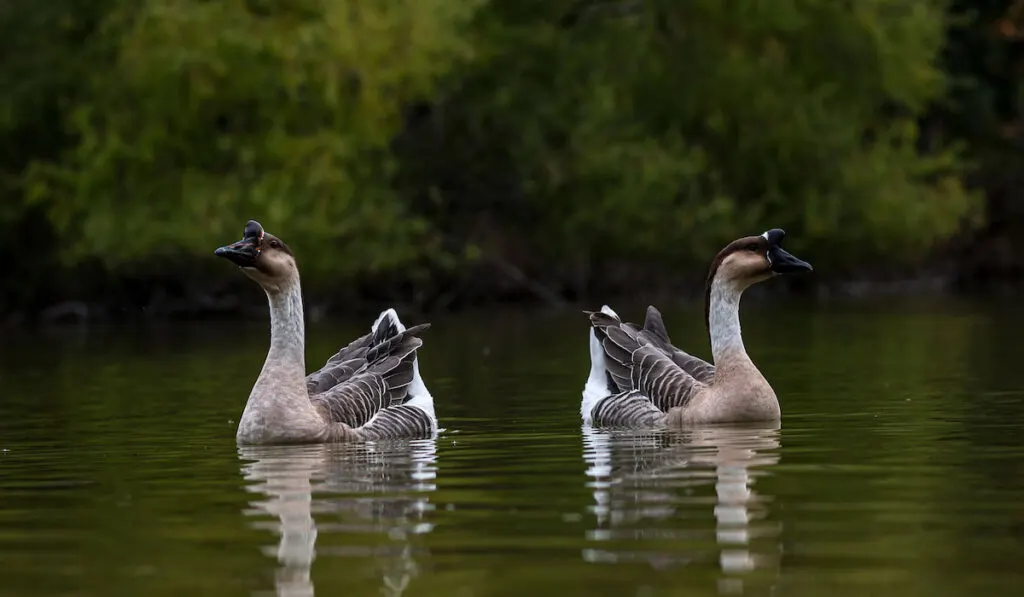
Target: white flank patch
{"type": "Point", "coordinates": [596, 387]}
{"type": "Point", "coordinates": [421, 397]}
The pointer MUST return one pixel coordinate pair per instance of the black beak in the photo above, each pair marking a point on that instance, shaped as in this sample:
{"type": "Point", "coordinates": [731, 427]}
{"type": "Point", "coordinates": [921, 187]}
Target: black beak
{"type": "Point", "coordinates": [243, 253]}
{"type": "Point", "coordinates": [783, 262]}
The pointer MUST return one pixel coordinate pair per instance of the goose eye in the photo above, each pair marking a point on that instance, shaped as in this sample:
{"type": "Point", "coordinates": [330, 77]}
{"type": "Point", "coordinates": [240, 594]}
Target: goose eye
{"type": "Point", "coordinates": [274, 244]}
{"type": "Point", "coordinates": [752, 247]}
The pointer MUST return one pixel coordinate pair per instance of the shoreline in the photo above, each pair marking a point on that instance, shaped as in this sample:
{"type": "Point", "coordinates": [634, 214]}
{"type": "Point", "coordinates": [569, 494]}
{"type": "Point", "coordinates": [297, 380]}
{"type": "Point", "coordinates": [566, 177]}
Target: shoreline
{"type": "Point", "coordinates": [241, 305]}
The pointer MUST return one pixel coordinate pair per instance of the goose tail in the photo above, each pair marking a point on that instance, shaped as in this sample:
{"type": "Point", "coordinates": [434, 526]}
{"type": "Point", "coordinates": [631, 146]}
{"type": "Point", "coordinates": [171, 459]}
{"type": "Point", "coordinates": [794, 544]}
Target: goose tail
{"type": "Point", "coordinates": [387, 325]}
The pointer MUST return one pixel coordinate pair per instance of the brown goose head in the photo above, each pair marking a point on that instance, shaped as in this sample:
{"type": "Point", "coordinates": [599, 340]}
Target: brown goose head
{"type": "Point", "coordinates": [262, 256]}
{"type": "Point", "coordinates": [752, 259]}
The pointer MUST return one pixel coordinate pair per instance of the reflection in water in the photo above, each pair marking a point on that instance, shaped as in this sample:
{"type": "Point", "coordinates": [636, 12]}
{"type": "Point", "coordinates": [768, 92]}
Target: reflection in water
{"type": "Point", "coordinates": [365, 489]}
{"type": "Point", "coordinates": [646, 486]}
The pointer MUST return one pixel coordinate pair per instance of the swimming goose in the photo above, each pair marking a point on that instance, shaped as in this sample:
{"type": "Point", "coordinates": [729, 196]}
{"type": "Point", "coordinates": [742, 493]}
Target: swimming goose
{"type": "Point", "coordinates": [370, 389]}
{"type": "Point", "coordinates": [639, 379]}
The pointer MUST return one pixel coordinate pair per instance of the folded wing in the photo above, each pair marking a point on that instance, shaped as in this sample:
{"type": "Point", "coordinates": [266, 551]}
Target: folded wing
{"type": "Point", "coordinates": [657, 334]}
{"type": "Point", "coordinates": [369, 376]}
{"type": "Point", "coordinates": [636, 362]}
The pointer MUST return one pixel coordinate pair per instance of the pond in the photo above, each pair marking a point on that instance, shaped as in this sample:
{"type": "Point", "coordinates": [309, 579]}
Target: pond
{"type": "Point", "coordinates": [898, 468]}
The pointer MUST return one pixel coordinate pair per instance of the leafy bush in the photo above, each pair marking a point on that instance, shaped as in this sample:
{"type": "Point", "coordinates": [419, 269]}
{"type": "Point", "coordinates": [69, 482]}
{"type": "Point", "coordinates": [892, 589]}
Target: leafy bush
{"type": "Point", "coordinates": [665, 131]}
{"type": "Point", "coordinates": [383, 135]}
{"type": "Point", "coordinates": [214, 112]}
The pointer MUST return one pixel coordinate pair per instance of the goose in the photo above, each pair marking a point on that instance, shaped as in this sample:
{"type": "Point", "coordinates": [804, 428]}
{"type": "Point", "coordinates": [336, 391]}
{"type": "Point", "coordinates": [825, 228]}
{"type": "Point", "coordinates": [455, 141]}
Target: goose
{"type": "Point", "coordinates": [639, 379]}
{"type": "Point", "coordinates": [369, 390]}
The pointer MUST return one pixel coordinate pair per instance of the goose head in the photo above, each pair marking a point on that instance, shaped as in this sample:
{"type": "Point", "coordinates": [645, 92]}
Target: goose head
{"type": "Point", "coordinates": [752, 259]}
{"type": "Point", "coordinates": [262, 256]}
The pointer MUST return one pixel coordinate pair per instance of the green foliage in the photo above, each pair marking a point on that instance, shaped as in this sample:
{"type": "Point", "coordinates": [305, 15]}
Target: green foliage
{"type": "Point", "coordinates": [589, 131]}
{"type": "Point", "coordinates": [684, 125]}
{"type": "Point", "coordinates": [213, 112]}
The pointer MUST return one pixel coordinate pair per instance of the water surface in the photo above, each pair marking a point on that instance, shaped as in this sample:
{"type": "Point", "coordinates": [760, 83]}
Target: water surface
{"type": "Point", "coordinates": [898, 468]}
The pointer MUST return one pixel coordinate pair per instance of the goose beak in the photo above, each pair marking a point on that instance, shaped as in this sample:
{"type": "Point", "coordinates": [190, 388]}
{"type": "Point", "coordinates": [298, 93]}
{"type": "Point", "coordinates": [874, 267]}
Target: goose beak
{"type": "Point", "coordinates": [242, 253]}
{"type": "Point", "coordinates": [783, 262]}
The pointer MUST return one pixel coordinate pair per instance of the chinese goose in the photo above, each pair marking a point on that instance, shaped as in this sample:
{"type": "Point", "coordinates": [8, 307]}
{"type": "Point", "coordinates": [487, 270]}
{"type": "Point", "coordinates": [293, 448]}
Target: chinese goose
{"type": "Point", "coordinates": [371, 389]}
{"type": "Point", "coordinates": [639, 379]}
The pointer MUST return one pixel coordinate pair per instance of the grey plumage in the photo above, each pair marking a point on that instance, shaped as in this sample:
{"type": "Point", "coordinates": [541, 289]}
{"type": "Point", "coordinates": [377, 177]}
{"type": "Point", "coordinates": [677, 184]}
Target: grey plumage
{"type": "Point", "coordinates": [627, 409]}
{"type": "Point", "coordinates": [366, 384]}
{"type": "Point", "coordinates": [402, 421]}
{"type": "Point", "coordinates": [641, 361]}
{"type": "Point", "coordinates": [654, 325]}
{"type": "Point", "coordinates": [647, 375]}
{"type": "Point", "coordinates": [370, 389]}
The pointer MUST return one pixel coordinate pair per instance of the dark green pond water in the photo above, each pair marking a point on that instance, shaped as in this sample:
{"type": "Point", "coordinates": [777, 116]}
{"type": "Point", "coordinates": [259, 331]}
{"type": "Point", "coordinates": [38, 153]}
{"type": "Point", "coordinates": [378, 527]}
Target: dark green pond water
{"type": "Point", "coordinates": [898, 468]}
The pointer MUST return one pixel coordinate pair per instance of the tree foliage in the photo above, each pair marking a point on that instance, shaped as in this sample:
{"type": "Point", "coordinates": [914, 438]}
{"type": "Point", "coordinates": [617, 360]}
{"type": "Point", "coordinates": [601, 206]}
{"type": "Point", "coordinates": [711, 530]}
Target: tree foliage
{"type": "Point", "coordinates": [383, 135]}
{"type": "Point", "coordinates": [213, 112]}
{"type": "Point", "coordinates": [681, 125]}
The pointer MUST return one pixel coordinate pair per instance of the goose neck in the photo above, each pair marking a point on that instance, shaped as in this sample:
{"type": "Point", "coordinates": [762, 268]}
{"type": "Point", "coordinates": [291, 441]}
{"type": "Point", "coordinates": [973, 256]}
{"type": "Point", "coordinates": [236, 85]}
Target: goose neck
{"type": "Point", "coordinates": [724, 321]}
{"type": "Point", "coordinates": [287, 328]}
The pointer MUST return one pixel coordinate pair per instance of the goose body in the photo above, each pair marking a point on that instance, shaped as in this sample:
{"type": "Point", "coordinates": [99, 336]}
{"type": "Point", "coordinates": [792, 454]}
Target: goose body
{"type": "Point", "coordinates": [370, 389]}
{"type": "Point", "coordinates": [638, 378]}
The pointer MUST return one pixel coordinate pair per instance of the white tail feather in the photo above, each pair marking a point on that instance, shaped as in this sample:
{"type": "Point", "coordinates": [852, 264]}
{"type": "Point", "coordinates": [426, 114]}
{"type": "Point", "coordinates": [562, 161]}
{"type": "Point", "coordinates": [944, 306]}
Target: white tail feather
{"type": "Point", "coordinates": [419, 396]}
{"type": "Point", "coordinates": [391, 314]}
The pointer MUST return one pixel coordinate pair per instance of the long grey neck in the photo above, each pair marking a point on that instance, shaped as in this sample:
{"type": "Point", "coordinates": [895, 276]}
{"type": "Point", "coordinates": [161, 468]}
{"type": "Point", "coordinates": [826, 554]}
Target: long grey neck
{"type": "Point", "coordinates": [724, 321]}
{"type": "Point", "coordinates": [286, 360]}
{"type": "Point", "coordinates": [279, 409]}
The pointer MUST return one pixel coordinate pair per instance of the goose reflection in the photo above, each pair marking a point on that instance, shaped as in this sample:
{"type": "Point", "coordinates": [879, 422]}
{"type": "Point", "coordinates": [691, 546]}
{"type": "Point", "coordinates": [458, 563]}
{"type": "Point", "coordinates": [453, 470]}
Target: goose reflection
{"type": "Point", "coordinates": [357, 489]}
{"type": "Point", "coordinates": [651, 501]}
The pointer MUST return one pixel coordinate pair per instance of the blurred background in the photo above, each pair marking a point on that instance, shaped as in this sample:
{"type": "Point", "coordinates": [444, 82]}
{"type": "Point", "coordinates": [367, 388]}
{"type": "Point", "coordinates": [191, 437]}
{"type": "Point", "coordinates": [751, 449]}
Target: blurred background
{"type": "Point", "coordinates": [441, 153]}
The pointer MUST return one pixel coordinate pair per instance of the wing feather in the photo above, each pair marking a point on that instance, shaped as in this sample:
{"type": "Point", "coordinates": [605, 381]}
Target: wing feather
{"type": "Point", "coordinates": [628, 409]}
{"type": "Point", "coordinates": [641, 361]}
{"type": "Point", "coordinates": [369, 379]}
{"type": "Point", "coordinates": [400, 421]}
{"type": "Point", "coordinates": [656, 333]}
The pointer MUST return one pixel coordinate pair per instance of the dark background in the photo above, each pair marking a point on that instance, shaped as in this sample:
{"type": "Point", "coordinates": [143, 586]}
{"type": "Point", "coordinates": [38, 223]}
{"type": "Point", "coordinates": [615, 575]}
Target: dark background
{"type": "Point", "coordinates": [442, 153]}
